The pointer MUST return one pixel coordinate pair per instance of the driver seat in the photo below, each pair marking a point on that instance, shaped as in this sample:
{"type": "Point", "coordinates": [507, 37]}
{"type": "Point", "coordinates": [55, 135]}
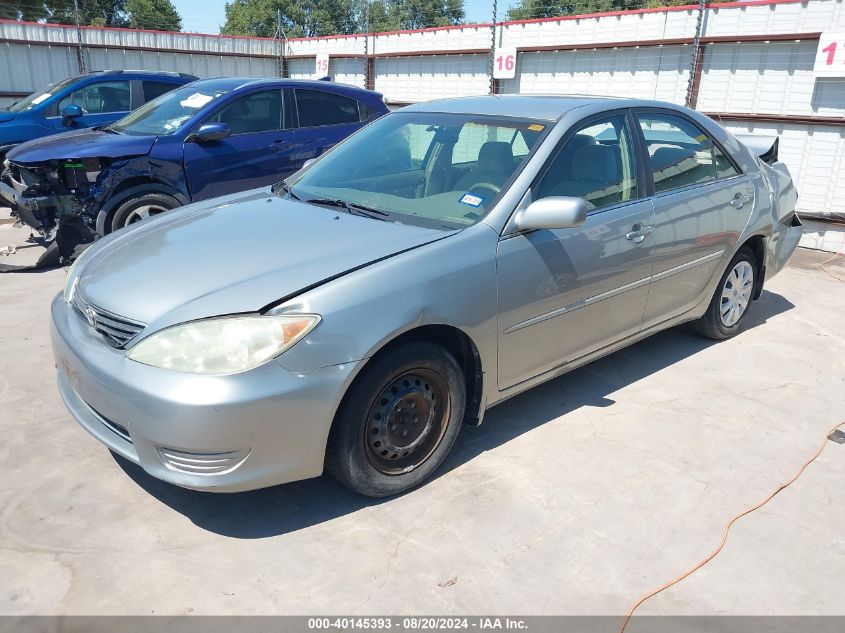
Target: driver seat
{"type": "Point", "coordinates": [495, 165]}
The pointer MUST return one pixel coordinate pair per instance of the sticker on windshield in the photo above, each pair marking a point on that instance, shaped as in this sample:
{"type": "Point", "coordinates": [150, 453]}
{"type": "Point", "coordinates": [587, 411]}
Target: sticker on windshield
{"type": "Point", "coordinates": [41, 98]}
{"type": "Point", "coordinates": [196, 100]}
{"type": "Point", "coordinates": [471, 199]}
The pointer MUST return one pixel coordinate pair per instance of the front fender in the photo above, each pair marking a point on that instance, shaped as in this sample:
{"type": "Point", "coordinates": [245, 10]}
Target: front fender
{"type": "Point", "coordinates": [448, 282]}
{"type": "Point", "coordinates": [143, 174]}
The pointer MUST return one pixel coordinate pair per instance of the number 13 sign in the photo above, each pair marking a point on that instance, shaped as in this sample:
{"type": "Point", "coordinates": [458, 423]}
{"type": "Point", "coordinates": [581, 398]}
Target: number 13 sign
{"type": "Point", "coordinates": [504, 63]}
{"type": "Point", "coordinates": [830, 56]}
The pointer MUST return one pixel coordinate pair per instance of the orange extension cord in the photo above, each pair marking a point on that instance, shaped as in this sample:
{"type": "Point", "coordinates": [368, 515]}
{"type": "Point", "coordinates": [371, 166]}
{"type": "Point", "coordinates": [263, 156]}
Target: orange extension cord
{"type": "Point", "coordinates": [718, 549]}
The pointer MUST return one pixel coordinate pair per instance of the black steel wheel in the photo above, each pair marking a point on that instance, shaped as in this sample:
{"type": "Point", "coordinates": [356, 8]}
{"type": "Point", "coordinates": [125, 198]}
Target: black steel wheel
{"type": "Point", "coordinates": [398, 421]}
{"type": "Point", "coordinates": [407, 421]}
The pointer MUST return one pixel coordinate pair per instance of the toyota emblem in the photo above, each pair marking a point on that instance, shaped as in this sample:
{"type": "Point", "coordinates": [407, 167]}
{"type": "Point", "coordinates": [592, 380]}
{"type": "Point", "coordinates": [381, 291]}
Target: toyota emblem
{"type": "Point", "coordinates": [90, 316]}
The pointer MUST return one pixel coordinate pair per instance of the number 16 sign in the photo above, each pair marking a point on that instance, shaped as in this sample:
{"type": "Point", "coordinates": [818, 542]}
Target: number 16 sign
{"type": "Point", "coordinates": [504, 63]}
{"type": "Point", "coordinates": [830, 55]}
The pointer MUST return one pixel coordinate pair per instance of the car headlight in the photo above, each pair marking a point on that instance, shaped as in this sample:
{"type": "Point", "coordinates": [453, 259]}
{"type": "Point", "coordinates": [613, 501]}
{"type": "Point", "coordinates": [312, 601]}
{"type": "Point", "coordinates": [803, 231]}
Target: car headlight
{"type": "Point", "coordinates": [70, 281]}
{"type": "Point", "coordinates": [225, 345]}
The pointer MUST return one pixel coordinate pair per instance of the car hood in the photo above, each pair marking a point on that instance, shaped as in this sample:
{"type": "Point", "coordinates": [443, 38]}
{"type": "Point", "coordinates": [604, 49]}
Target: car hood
{"type": "Point", "coordinates": [5, 115]}
{"type": "Point", "coordinates": [81, 144]}
{"type": "Point", "coordinates": [239, 254]}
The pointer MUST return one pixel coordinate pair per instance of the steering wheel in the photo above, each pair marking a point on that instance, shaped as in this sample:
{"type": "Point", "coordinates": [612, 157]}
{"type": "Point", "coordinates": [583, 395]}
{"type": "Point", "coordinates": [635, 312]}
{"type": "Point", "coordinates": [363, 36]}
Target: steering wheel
{"type": "Point", "coordinates": [488, 186]}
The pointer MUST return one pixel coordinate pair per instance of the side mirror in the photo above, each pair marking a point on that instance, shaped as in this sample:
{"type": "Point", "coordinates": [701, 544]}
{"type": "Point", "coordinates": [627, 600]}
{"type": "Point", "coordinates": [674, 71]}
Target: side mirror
{"type": "Point", "coordinates": [71, 112]}
{"type": "Point", "coordinates": [553, 213]}
{"type": "Point", "coordinates": [212, 132]}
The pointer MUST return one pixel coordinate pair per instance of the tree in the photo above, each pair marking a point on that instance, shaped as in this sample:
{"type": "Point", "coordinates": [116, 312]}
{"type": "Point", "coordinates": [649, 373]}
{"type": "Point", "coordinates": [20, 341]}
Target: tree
{"type": "Point", "coordinates": [299, 18]}
{"type": "Point", "coordinates": [91, 12]}
{"type": "Point", "coordinates": [310, 18]}
{"type": "Point", "coordinates": [23, 10]}
{"type": "Point", "coordinates": [420, 14]}
{"type": "Point", "coordinates": [157, 15]}
{"type": "Point", "coordinates": [533, 9]}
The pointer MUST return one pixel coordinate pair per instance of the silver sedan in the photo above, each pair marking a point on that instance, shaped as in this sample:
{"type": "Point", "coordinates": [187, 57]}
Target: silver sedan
{"type": "Point", "coordinates": [446, 257]}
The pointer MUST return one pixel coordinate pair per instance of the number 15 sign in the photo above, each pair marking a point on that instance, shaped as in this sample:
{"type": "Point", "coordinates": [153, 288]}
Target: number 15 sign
{"type": "Point", "coordinates": [830, 56]}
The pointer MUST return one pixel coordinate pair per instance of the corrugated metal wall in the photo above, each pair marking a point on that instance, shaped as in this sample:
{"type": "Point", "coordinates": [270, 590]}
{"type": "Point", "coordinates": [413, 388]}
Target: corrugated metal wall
{"type": "Point", "coordinates": [750, 67]}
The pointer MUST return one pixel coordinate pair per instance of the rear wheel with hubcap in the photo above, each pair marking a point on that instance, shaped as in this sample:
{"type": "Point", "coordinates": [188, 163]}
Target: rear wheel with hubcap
{"type": "Point", "coordinates": [398, 421]}
{"type": "Point", "coordinates": [730, 302]}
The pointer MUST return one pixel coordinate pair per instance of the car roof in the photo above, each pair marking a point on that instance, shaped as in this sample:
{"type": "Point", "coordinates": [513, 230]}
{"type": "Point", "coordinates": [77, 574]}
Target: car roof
{"type": "Point", "coordinates": [234, 83]}
{"type": "Point", "coordinates": [545, 107]}
{"type": "Point", "coordinates": [143, 73]}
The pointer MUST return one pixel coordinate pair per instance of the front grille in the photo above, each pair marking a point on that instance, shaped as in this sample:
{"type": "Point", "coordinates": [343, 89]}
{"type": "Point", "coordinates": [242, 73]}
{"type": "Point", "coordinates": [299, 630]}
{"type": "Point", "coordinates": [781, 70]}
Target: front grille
{"type": "Point", "coordinates": [117, 330]}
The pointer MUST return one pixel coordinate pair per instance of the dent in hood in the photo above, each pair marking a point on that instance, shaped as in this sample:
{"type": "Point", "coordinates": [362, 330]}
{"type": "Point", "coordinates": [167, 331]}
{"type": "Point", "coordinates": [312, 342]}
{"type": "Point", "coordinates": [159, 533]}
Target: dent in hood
{"type": "Point", "coordinates": [239, 254]}
{"type": "Point", "coordinates": [81, 144]}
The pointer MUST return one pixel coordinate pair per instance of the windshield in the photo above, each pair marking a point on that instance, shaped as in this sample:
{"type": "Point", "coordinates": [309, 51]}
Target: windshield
{"type": "Point", "coordinates": [167, 113]}
{"type": "Point", "coordinates": [27, 103]}
{"type": "Point", "coordinates": [430, 169]}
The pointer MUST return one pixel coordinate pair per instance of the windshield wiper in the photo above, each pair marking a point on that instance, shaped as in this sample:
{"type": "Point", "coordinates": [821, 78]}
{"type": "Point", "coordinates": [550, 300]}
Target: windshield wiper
{"type": "Point", "coordinates": [106, 128]}
{"type": "Point", "coordinates": [283, 187]}
{"type": "Point", "coordinates": [352, 207]}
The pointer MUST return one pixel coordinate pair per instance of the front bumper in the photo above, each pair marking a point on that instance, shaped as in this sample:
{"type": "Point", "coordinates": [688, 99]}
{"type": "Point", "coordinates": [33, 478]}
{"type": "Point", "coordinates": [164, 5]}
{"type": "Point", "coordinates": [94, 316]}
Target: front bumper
{"type": "Point", "coordinates": [219, 433]}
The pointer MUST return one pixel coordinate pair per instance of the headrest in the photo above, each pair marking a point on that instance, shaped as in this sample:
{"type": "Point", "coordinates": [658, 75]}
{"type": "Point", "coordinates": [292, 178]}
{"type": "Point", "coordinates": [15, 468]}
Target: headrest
{"type": "Point", "coordinates": [596, 163]}
{"type": "Point", "coordinates": [495, 156]}
{"type": "Point", "coordinates": [666, 156]}
{"type": "Point", "coordinates": [579, 140]}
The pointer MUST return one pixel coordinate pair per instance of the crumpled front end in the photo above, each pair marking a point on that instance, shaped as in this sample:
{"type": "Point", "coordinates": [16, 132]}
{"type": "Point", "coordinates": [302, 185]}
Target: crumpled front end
{"type": "Point", "coordinates": [44, 193]}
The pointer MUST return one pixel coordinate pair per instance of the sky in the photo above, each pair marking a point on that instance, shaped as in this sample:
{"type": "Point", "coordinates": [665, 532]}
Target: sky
{"type": "Point", "coordinates": [207, 16]}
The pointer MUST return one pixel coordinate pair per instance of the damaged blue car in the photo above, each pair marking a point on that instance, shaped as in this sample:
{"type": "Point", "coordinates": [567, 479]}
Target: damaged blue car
{"type": "Point", "coordinates": [205, 139]}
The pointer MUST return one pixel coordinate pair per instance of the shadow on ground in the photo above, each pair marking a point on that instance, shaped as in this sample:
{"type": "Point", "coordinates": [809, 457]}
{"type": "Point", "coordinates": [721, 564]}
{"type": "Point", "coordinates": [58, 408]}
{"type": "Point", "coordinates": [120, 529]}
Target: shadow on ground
{"type": "Point", "coordinates": [291, 507]}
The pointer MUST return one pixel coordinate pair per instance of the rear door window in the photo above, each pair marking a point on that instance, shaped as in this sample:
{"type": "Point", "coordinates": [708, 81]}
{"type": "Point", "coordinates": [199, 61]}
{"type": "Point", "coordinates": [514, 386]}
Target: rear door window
{"type": "Point", "coordinates": [367, 111]}
{"type": "Point", "coordinates": [318, 108]}
{"type": "Point", "coordinates": [680, 153]}
{"type": "Point", "coordinates": [153, 89]}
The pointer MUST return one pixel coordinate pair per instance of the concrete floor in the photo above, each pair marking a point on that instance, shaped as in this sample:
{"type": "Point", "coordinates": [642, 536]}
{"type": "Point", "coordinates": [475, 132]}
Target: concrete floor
{"type": "Point", "coordinates": [574, 498]}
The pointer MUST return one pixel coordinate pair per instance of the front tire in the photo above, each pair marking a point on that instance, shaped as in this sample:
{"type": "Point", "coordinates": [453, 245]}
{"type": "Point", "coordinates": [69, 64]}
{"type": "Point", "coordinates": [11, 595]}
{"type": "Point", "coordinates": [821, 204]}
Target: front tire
{"type": "Point", "coordinates": [141, 207]}
{"type": "Point", "coordinates": [398, 421]}
{"type": "Point", "coordinates": [732, 298]}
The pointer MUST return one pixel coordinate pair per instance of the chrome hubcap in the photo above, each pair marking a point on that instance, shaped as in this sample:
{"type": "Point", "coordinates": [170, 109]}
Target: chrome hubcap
{"type": "Point", "coordinates": [736, 293]}
{"type": "Point", "coordinates": [143, 212]}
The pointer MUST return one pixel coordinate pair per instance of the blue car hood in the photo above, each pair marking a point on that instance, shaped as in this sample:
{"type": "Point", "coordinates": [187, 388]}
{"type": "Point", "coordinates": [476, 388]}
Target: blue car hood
{"type": "Point", "coordinates": [5, 115]}
{"type": "Point", "coordinates": [234, 254]}
{"type": "Point", "coordinates": [81, 144]}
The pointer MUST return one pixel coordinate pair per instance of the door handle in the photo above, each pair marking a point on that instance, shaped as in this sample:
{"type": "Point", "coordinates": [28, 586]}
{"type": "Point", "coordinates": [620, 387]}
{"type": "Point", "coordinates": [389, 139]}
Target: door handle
{"type": "Point", "coordinates": [739, 199]}
{"type": "Point", "coordinates": [278, 144]}
{"type": "Point", "coordinates": [638, 232]}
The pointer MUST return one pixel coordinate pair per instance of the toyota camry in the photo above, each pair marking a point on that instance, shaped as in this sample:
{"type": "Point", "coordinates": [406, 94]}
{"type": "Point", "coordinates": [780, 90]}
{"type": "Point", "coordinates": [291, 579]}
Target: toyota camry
{"type": "Point", "coordinates": [442, 259]}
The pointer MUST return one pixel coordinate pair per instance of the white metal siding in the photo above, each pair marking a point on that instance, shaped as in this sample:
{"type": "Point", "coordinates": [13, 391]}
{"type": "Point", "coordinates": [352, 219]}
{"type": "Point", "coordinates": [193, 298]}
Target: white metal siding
{"type": "Point", "coordinates": [431, 77]}
{"type": "Point", "coordinates": [815, 156]}
{"type": "Point", "coordinates": [773, 78]}
{"type": "Point", "coordinates": [647, 73]}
